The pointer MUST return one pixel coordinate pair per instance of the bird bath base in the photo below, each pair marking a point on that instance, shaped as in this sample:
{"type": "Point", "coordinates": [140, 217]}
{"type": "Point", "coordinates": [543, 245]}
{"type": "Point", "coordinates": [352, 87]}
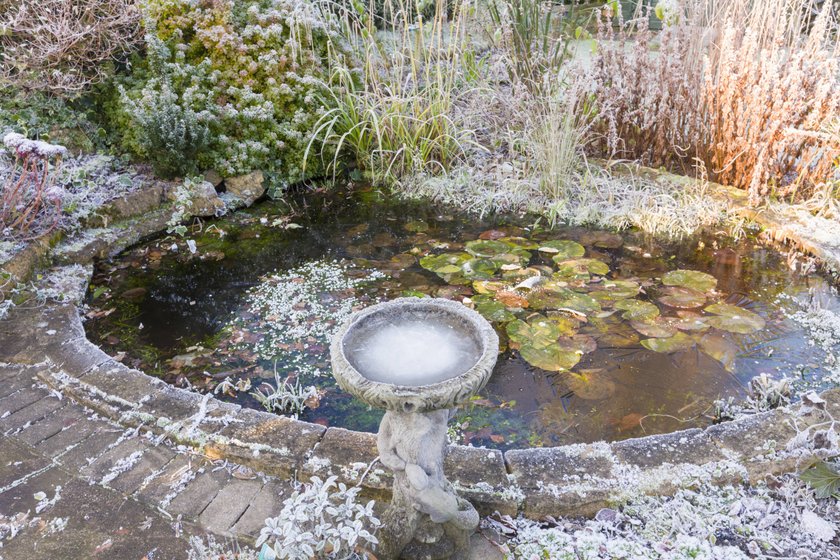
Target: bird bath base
{"type": "Point", "coordinates": [426, 518]}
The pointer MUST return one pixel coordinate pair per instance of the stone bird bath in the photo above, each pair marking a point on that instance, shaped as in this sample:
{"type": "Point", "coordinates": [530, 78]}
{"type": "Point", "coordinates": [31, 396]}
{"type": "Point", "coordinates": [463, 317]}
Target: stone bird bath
{"type": "Point", "coordinates": [417, 359]}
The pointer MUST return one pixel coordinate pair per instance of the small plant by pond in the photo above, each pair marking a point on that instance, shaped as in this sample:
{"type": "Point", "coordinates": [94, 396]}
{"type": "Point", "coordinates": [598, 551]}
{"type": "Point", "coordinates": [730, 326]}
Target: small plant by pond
{"type": "Point", "coordinates": [604, 335]}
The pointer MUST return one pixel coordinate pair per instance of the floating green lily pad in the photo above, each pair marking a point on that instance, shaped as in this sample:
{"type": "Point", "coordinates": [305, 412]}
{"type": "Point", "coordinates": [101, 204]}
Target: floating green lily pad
{"type": "Point", "coordinates": [580, 266]}
{"type": "Point", "coordinates": [487, 248]}
{"type": "Point", "coordinates": [519, 242]}
{"type": "Point", "coordinates": [656, 328]}
{"type": "Point", "coordinates": [612, 290]}
{"type": "Point", "coordinates": [550, 358]}
{"type": "Point", "coordinates": [494, 311]}
{"type": "Point", "coordinates": [562, 249]}
{"type": "Point", "coordinates": [637, 310]}
{"type": "Point", "coordinates": [689, 321]}
{"type": "Point", "coordinates": [445, 263]}
{"type": "Point", "coordinates": [693, 279]}
{"type": "Point", "coordinates": [479, 269]}
{"type": "Point", "coordinates": [679, 341]}
{"type": "Point", "coordinates": [734, 319]}
{"type": "Point", "coordinates": [538, 332]}
{"type": "Point", "coordinates": [682, 298]}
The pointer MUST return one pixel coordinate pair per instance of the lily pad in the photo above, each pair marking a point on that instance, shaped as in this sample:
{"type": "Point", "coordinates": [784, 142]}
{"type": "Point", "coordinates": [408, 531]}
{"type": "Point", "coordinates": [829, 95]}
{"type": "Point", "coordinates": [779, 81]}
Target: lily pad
{"type": "Point", "coordinates": [494, 311]}
{"type": "Point", "coordinates": [445, 263]}
{"type": "Point", "coordinates": [550, 358]}
{"type": "Point", "coordinates": [479, 269]}
{"type": "Point", "coordinates": [656, 328]}
{"type": "Point", "coordinates": [693, 279]}
{"type": "Point", "coordinates": [581, 266]}
{"type": "Point", "coordinates": [637, 310]}
{"type": "Point", "coordinates": [511, 299]}
{"type": "Point", "coordinates": [690, 321]}
{"type": "Point", "coordinates": [602, 239]}
{"type": "Point", "coordinates": [562, 249]}
{"type": "Point", "coordinates": [487, 248]}
{"type": "Point", "coordinates": [734, 319]}
{"type": "Point", "coordinates": [612, 290]}
{"type": "Point", "coordinates": [682, 298]}
{"type": "Point", "coordinates": [679, 341]}
{"type": "Point", "coordinates": [520, 242]}
{"type": "Point", "coordinates": [538, 332]}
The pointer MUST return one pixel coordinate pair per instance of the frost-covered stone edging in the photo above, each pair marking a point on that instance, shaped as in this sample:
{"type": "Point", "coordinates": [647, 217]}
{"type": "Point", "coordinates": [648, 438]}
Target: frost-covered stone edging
{"type": "Point", "coordinates": [571, 480]}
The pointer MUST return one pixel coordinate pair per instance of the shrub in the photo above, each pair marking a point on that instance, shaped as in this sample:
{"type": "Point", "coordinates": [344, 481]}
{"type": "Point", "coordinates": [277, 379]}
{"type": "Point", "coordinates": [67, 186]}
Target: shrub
{"type": "Point", "coordinates": [251, 72]}
{"type": "Point", "coordinates": [170, 131]}
{"type": "Point", "coordinates": [64, 46]}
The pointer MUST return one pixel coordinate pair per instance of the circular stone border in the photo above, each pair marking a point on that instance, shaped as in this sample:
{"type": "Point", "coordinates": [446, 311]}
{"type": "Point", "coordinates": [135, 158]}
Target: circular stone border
{"type": "Point", "coordinates": [570, 480]}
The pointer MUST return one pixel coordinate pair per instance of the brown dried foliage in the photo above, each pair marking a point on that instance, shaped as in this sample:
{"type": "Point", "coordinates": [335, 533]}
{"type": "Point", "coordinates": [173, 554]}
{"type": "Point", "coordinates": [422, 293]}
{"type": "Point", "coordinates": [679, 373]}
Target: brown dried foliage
{"type": "Point", "coordinates": [63, 46]}
{"type": "Point", "coordinates": [734, 85]}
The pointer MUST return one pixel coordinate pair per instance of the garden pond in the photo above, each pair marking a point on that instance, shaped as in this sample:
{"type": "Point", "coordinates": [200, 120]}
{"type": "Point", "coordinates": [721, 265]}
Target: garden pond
{"type": "Point", "coordinates": [603, 336]}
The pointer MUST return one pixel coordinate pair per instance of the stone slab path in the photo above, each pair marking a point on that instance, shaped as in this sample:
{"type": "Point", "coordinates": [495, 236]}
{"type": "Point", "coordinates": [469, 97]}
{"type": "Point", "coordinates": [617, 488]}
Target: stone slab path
{"type": "Point", "coordinates": [110, 492]}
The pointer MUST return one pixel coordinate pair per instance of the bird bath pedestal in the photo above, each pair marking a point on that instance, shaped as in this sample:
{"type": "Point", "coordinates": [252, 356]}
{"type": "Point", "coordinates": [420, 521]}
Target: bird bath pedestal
{"type": "Point", "coordinates": [417, 359]}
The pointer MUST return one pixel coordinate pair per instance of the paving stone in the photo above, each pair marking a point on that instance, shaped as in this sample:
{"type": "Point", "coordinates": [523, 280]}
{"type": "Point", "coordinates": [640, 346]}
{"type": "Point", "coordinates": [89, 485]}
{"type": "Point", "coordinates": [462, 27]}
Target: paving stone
{"type": "Point", "coordinates": [17, 331]}
{"type": "Point", "coordinates": [10, 371]}
{"type": "Point", "coordinates": [75, 431]}
{"type": "Point", "coordinates": [153, 460]}
{"type": "Point", "coordinates": [347, 454]}
{"type": "Point", "coordinates": [100, 525]}
{"type": "Point", "coordinates": [88, 449]}
{"type": "Point", "coordinates": [17, 460]}
{"type": "Point", "coordinates": [481, 477]}
{"type": "Point", "coordinates": [155, 490]}
{"type": "Point", "coordinates": [18, 494]}
{"type": "Point", "coordinates": [266, 442]}
{"type": "Point", "coordinates": [228, 506]}
{"type": "Point", "coordinates": [750, 437]}
{"type": "Point", "coordinates": [555, 464]}
{"type": "Point", "coordinates": [25, 380]}
{"type": "Point", "coordinates": [18, 400]}
{"type": "Point", "coordinates": [267, 503]}
{"type": "Point", "coordinates": [114, 378]}
{"type": "Point", "coordinates": [687, 446]}
{"type": "Point", "coordinates": [51, 424]}
{"type": "Point", "coordinates": [32, 413]}
{"type": "Point", "coordinates": [75, 356]}
{"type": "Point", "coordinates": [112, 460]}
{"type": "Point", "coordinates": [198, 494]}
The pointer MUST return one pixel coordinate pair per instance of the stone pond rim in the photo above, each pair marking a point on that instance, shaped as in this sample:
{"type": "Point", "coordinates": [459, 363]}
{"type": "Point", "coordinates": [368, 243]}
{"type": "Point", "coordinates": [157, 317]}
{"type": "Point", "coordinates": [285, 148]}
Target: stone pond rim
{"type": "Point", "coordinates": [572, 480]}
{"type": "Point", "coordinates": [423, 398]}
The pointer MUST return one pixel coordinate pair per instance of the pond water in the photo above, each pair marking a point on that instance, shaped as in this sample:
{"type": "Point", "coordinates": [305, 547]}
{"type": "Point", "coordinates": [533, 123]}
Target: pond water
{"type": "Point", "coordinates": [604, 336]}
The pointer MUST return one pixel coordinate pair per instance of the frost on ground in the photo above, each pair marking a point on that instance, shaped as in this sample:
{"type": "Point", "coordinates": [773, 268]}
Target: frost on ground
{"type": "Point", "coordinates": [781, 519]}
{"type": "Point", "coordinates": [822, 322]}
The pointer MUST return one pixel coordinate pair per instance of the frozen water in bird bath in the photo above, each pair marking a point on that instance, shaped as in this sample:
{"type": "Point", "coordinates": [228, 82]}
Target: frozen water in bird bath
{"type": "Point", "coordinates": [413, 352]}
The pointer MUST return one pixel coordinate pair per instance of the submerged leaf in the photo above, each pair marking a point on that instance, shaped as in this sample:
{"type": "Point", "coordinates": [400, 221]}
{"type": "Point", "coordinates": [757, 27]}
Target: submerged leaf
{"type": "Point", "coordinates": [572, 267]}
{"type": "Point", "coordinates": [494, 311]}
{"type": "Point", "coordinates": [591, 386]}
{"type": "Point", "coordinates": [734, 319]}
{"type": "Point", "coordinates": [679, 341]}
{"type": "Point", "coordinates": [720, 349]}
{"type": "Point", "coordinates": [550, 358]}
{"type": "Point", "coordinates": [445, 263]}
{"type": "Point", "coordinates": [682, 298]}
{"type": "Point", "coordinates": [656, 328]}
{"type": "Point", "coordinates": [562, 249]}
{"type": "Point", "coordinates": [538, 332]}
{"type": "Point", "coordinates": [487, 248]}
{"type": "Point", "coordinates": [637, 310]}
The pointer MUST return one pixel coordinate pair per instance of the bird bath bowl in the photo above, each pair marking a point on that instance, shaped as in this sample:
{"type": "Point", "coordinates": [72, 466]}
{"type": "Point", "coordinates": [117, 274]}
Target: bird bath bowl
{"type": "Point", "coordinates": [417, 359]}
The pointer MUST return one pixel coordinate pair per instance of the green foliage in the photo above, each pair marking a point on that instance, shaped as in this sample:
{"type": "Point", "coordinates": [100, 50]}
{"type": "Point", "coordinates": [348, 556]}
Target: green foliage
{"type": "Point", "coordinates": [50, 118]}
{"type": "Point", "coordinates": [171, 133]}
{"type": "Point", "coordinates": [823, 479]}
{"type": "Point", "coordinates": [251, 72]}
